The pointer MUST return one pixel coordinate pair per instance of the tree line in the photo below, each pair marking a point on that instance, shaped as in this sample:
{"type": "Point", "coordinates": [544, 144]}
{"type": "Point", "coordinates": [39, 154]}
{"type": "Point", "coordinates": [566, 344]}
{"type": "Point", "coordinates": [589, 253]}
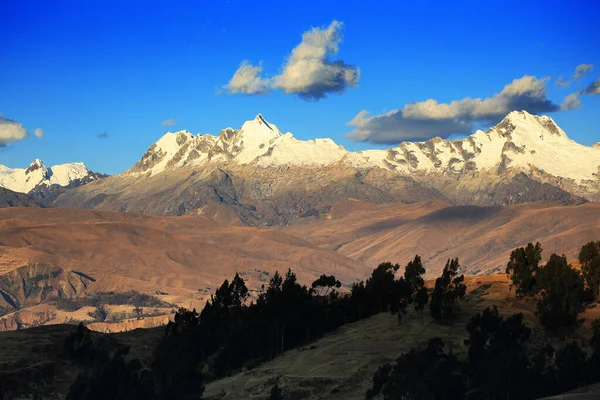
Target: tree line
{"type": "Point", "coordinates": [232, 332]}
{"type": "Point", "coordinates": [561, 290]}
{"type": "Point", "coordinates": [501, 363]}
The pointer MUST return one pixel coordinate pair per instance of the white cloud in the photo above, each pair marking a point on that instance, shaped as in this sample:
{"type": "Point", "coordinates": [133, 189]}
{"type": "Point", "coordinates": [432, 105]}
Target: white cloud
{"type": "Point", "coordinates": [571, 102]}
{"type": "Point", "coordinates": [429, 118]}
{"type": "Point", "coordinates": [38, 133]}
{"type": "Point", "coordinates": [11, 131]}
{"type": "Point", "coordinates": [169, 122]}
{"type": "Point", "coordinates": [582, 70]}
{"type": "Point", "coordinates": [308, 72]}
{"type": "Point", "coordinates": [247, 80]}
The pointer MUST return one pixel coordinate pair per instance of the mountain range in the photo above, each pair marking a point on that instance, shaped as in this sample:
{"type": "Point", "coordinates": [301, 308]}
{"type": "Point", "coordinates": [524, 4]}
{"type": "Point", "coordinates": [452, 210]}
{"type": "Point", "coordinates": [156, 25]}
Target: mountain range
{"type": "Point", "coordinates": [41, 184]}
{"type": "Point", "coordinates": [257, 175]}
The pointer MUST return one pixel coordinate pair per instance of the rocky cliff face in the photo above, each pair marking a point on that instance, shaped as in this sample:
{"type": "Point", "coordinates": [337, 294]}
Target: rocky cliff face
{"type": "Point", "coordinates": [267, 177]}
{"type": "Point", "coordinates": [8, 198]}
{"type": "Point", "coordinates": [36, 282]}
{"type": "Point", "coordinates": [130, 325]}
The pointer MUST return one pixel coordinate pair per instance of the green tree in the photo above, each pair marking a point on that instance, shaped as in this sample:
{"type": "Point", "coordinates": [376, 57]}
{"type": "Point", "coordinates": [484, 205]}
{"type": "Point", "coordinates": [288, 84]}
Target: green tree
{"type": "Point", "coordinates": [571, 367]}
{"type": "Point", "coordinates": [497, 355]}
{"type": "Point", "coordinates": [325, 284]}
{"type": "Point", "coordinates": [589, 258]}
{"type": "Point", "coordinates": [421, 299]}
{"type": "Point", "coordinates": [595, 357]}
{"type": "Point", "coordinates": [430, 373]}
{"type": "Point", "coordinates": [561, 288]}
{"type": "Point", "coordinates": [523, 268]}
{"type": "Point", "coordinates": [413, 273]}
{"type": "Point", "coordinates": [276, 393]}
{"type": "Point", "coordinates": [100, 313]}
{"type": "Point", "coordinates": [118, 380]}
{"type": "Point", "coordinates": [382, 285]}
{"type": "Point", "coordinates": [448, 291]}
{"type": "Point", "coordinates": [176, 366]}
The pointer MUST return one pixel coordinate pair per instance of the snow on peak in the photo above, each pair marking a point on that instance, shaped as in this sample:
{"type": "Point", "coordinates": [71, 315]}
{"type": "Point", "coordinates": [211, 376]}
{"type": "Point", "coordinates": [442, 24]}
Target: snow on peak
{"type": "Point", "coordinates": [37, 165]}
{"type": "Point", "coordinates": [23, 180]}
{"type": "Point", "coordinates": [523, 123]}
{"type": "Point", "coordinates": [521, 140]}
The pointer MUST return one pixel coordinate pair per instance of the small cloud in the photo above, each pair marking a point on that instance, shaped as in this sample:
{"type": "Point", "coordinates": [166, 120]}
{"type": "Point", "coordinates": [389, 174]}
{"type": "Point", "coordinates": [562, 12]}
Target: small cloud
{"type": "Point", "coordinates": [560, 82]}
{"type": "Point", "coordinates": [426, 119]}
{"type": "Point", "coordinates": [38, 133]}
{"type": "Point", "coordinates": [169, 122]}
{"type": "Point", "coordinates": [308, 72]}
{"type": "Point", "coordinates": [102, 135]}
{"type": "Point", "coordinates": [582, 70]}
{"type": "Point", "coordinates": [11, 131]}
{"type": "Point", "coordinates": [571, 102]}
{"type": "Point", "coordinates": [593, 88]}
{"type": "Point", "coordinates": [247, 80]}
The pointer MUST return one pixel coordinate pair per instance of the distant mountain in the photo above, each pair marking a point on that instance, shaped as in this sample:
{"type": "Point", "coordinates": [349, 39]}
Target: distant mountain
{"type": "Point", "coordinates": [261, 176]}
{"type": "Point", "coordinates": [8, 198]}
{"type": "Point", "coordinates": [44, 184]}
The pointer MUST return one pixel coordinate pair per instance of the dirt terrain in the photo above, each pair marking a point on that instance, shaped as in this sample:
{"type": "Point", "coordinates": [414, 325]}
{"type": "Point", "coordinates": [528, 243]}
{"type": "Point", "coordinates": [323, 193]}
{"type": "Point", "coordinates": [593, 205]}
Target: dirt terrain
{"type": "Point", "coordinates": [180, 259]}
{"type": "Point", "coordinates": [45, 253]}
{"type": "Point", "coordinates": [481, 237]}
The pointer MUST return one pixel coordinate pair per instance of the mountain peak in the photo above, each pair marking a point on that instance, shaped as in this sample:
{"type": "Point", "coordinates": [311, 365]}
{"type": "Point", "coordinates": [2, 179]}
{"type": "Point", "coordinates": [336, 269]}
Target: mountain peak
{"type": "Point", "coordinates": [23, 180]}
{"type": "Point", "coordinates": [35, 165]}
{"type": "Point", "coordinates": [526, 124]}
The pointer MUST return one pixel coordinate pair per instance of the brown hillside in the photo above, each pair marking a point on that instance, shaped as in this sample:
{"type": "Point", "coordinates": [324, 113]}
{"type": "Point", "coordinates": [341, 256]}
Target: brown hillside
{"type": "Point", "coordinates": [177, 255]}
{"type": "Point", "coordinates": [482, 237]}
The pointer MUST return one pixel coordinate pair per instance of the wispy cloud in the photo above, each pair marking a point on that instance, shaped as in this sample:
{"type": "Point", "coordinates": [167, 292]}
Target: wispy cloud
{"type": "Point", "coordinates": [11, 131]}
{"type": "Point", "coordinates": [102, 135]}
{"type": "Point", "coordinates": [169, 122]}
{"type": "Point", "coordinates": [593, 88]}
{"type": "Point", "coordinates": [426, 119]}
{"type": "Point", "coordinates": [560, 82]}
{"type": "Point", "coordinates": [582, 70]}
{"type": "Point", "coordinates": [38, 133]}
{"type": "Point", "coordinates": [308, 72]}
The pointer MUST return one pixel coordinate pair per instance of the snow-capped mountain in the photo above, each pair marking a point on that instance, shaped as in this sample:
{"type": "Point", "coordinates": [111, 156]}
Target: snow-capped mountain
{"type": "Point", "coordinates": [266, 176]}
{"type": "Point", "coordinates": [39, 181]}
{"type": "Point", "coordinates": [521, 141]}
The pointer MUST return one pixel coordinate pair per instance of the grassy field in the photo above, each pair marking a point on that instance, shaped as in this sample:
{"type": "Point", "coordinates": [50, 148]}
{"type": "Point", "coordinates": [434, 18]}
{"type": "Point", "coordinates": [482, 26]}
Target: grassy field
{"type": "Point", "coordinates": [341, 365]}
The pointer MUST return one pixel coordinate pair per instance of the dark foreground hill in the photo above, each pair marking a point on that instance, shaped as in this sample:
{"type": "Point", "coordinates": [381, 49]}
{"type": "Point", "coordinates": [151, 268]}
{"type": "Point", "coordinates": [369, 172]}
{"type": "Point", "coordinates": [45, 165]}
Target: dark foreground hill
{"type": "Point", "coordinates": [338, 366]}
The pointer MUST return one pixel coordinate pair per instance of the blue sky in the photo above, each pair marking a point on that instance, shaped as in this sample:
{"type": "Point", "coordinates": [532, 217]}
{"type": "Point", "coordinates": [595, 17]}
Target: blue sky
{"type": "Point", "coordinates": [77, 70]}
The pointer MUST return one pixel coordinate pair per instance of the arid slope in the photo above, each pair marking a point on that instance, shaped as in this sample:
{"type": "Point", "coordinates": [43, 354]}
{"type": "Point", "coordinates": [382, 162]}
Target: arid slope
{"type": "Point", "coordinates": [482, 237]}
{"type": "Point", "coordinates": [186, 257]}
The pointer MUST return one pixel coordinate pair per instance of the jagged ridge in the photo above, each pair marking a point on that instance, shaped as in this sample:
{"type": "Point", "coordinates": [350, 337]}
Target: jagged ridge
{"type": "Point", "coordinates": [263, 176]}
{"type": "Point", "coordinates": [521, 140]}
{"type": "Point", "coordinates": [43, 184]}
